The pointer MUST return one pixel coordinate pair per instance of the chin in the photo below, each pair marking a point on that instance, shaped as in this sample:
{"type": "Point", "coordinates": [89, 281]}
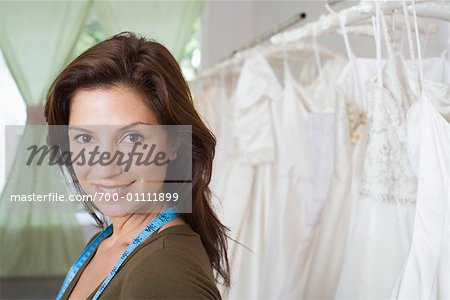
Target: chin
{"type": "Point", "coordinates": [115, 209]}
{"type": "Point", "coordinates": [124, 209]}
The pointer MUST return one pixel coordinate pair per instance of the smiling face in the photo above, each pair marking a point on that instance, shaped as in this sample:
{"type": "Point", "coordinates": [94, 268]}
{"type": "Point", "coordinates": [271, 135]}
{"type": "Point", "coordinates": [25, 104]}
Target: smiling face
{"type": "Point", "coordinates": [111, 121]}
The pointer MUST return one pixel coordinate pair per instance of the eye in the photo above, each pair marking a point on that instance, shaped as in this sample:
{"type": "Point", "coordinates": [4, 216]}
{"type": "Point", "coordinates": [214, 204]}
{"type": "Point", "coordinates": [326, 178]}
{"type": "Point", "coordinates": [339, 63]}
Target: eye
{"type": "Point", "coordinates": [83, 138]}
{"type": "Point", "coordinates": [132, 138]}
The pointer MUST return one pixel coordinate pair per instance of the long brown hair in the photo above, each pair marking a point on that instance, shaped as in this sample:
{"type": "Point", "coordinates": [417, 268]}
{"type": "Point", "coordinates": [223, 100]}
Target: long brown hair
{"type": "Point", "coordinates": [149, 67]}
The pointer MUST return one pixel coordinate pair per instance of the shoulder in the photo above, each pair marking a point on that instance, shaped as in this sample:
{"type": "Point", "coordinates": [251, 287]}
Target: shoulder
{"type": "Point", "coordinates": [93, 238]}
{"type": "Point", "coordinates": [174, 265]}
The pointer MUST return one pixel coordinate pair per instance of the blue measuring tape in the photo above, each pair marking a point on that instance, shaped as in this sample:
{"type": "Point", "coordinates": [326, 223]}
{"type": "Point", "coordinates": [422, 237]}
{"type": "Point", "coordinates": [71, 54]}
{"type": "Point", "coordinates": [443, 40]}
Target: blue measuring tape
{"type": "Point", "coordinates": [153, 226]}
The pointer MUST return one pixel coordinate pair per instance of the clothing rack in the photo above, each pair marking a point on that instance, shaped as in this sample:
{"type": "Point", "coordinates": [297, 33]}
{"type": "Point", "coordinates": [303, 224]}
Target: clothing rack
{"type": "Point", "coordinates": [330, 3]}
{"type": "Point", "coordinates": [352, 15]}
{"type": "Point", "coordinates": [294, 20]}
{"type": "Point", "coordinates": [266, 36]}
{"type": "Point", "coordinates": [333, 2]}
{"type": "Point", "coordinates": [365, 9]}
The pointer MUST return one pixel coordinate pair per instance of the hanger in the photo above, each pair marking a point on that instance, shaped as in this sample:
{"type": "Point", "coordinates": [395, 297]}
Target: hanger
{"type": "Point", "coordinates": [356, 15]}
{"type": "Point", "coordinates": [268, 50]}
{"type": "Point", "coordinates": [433, 9]}
{"type": "Point", "coordinates": [366, 28]}
{"type": "Point", "coordinates": [358, 21]}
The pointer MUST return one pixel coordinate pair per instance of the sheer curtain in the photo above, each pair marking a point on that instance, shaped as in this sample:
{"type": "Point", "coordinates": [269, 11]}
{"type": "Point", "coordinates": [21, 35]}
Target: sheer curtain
{"type": "Point", "coordinates": [36, 38]}
{"type": "Point", "coordinates": [168, 22]}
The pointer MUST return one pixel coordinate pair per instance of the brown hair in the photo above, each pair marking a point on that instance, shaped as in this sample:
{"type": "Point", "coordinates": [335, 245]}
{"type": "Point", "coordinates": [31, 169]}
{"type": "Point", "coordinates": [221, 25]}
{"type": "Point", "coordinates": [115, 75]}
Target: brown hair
{"type": "Point", "coordinates": [149, 67]}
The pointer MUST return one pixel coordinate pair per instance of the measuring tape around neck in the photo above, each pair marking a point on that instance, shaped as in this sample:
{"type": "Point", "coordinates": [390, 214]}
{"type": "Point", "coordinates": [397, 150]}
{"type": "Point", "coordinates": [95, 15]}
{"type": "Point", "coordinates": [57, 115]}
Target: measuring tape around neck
{"type": "Point", "coordinates": [152, 227]}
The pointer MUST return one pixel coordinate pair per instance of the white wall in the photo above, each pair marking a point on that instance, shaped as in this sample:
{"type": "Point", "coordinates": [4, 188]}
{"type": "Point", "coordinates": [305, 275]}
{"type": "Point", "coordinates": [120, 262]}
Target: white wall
{"type": "Point", "coordinates": [226, 26]}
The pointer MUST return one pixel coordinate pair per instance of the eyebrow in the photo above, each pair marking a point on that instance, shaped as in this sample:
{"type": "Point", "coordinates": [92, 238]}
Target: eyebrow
{"type": "Point", "coordinates": [120, 129]}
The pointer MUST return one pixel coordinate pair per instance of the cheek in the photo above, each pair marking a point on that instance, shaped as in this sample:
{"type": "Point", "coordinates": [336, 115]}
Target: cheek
{"type": "Point", "coordinates": [79, 162]}
{"type": "Point", "coordinates": [82, 173]}
{"type": "Point", "coordinates": [152, 173]}
{"type": "Point", "coordinates": [150, 164]}
{"type": "Point", "coordinates": [149, 176]}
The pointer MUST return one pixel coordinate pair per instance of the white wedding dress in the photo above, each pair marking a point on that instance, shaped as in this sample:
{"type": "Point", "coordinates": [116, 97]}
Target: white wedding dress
{"type": "Point", "coordinates": [427, 270]}
{"type": "Point", "coordinates": [426, 273]}
{"type": "Point", "coordinates": [304, 121]}
{"type": "Point", "coordinates": [330, 241]}
{"type": "Point", "coordinates": [244, 187]}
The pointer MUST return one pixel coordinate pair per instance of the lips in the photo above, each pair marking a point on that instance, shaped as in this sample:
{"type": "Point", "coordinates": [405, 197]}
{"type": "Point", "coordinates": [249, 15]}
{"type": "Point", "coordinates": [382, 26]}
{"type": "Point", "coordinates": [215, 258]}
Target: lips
{"type": "Point", "coordinates": [121, 190]}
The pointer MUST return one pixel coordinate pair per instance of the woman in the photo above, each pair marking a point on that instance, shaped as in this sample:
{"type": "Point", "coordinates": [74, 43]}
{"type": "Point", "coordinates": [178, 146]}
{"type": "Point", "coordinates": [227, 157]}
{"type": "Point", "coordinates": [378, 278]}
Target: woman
{"type": "Point", "coordinates": [128, 81]}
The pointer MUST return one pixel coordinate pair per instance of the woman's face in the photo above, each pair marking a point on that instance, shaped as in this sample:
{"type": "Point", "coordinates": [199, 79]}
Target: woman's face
{"type": "Point", "coordinates": [105, 122]}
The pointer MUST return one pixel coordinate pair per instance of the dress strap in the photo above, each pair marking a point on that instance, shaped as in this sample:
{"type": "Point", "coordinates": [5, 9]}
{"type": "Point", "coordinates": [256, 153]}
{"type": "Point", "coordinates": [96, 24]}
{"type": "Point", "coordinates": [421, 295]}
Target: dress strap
{"type": "Point", "coordinates": [376, 21]}
{"type": "Point", "coordinates": [350, 53]}
{"type": "Point", "coordinates": [412, 48]}
{"type": "Point", "coordinates": [388, 39]}
{"type": "Point", "coordinates": [316, 53]}
{"type": "Point", "coordinates": [286, 71]}
{"type": "Point", "coordinates": [419, 53]}
{"type": "Point", "coordinates": [351, 56]}
{"type": "Point", "coordinates": [285, 55]}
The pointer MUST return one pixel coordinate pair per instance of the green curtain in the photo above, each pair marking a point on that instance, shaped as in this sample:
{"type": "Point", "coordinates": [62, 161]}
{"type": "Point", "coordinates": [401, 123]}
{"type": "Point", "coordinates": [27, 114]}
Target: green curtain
{"type": "Point", "coordinates": [168, 22]}
{"type": "Point", "coordinates": [36, 38]}
{"type": "Point", "coordinates": [37, 238]}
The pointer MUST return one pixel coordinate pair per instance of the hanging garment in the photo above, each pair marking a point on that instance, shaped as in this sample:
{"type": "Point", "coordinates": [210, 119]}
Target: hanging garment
{"type": "Point", "coordinates": [382, 229]}
{"type": "Point", "coordinates": [328, 250]}
{"type": "Point", "coordinates": [225, 147]}
{"type": "Point", "coordinates": [246, 190]}
{"type": "Point", "coordinates": [296, 200]}
{"type": "Point", "coordinates": [214, 100]}
{"type": "Point", "coordinates": [206, 94]}
{"type": "Point", "coordinates": [427, 271]}
{"type": "Point", "coordinates": [330, 244]}
{"type": "Point", "coordinates": [381, 232]}
{"type": "Point", "coordinates": [328, 247]}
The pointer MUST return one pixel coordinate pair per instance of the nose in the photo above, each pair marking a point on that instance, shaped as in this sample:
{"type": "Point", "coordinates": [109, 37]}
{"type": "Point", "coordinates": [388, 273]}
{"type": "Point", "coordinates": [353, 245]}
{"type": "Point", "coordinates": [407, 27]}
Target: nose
{"type": "Point", "coordinates": [106, 165]}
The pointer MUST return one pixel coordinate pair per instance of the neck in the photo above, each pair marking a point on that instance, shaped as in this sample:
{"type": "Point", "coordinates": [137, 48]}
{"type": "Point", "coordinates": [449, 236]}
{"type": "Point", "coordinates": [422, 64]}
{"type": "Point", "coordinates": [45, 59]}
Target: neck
{"type": "Point", "coordinates": [127, 227]}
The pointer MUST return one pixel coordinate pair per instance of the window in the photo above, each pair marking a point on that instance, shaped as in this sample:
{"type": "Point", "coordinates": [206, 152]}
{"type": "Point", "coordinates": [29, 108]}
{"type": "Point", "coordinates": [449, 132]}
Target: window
{"type": "Point", "coordinates": [189, 63]}
{"type": "Point", "coordinates": [12, 112]}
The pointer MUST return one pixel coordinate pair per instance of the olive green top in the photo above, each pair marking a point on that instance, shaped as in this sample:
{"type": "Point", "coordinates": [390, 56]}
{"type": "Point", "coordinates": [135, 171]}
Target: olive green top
{"type": "Point", "coordinates": [171, 264]}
